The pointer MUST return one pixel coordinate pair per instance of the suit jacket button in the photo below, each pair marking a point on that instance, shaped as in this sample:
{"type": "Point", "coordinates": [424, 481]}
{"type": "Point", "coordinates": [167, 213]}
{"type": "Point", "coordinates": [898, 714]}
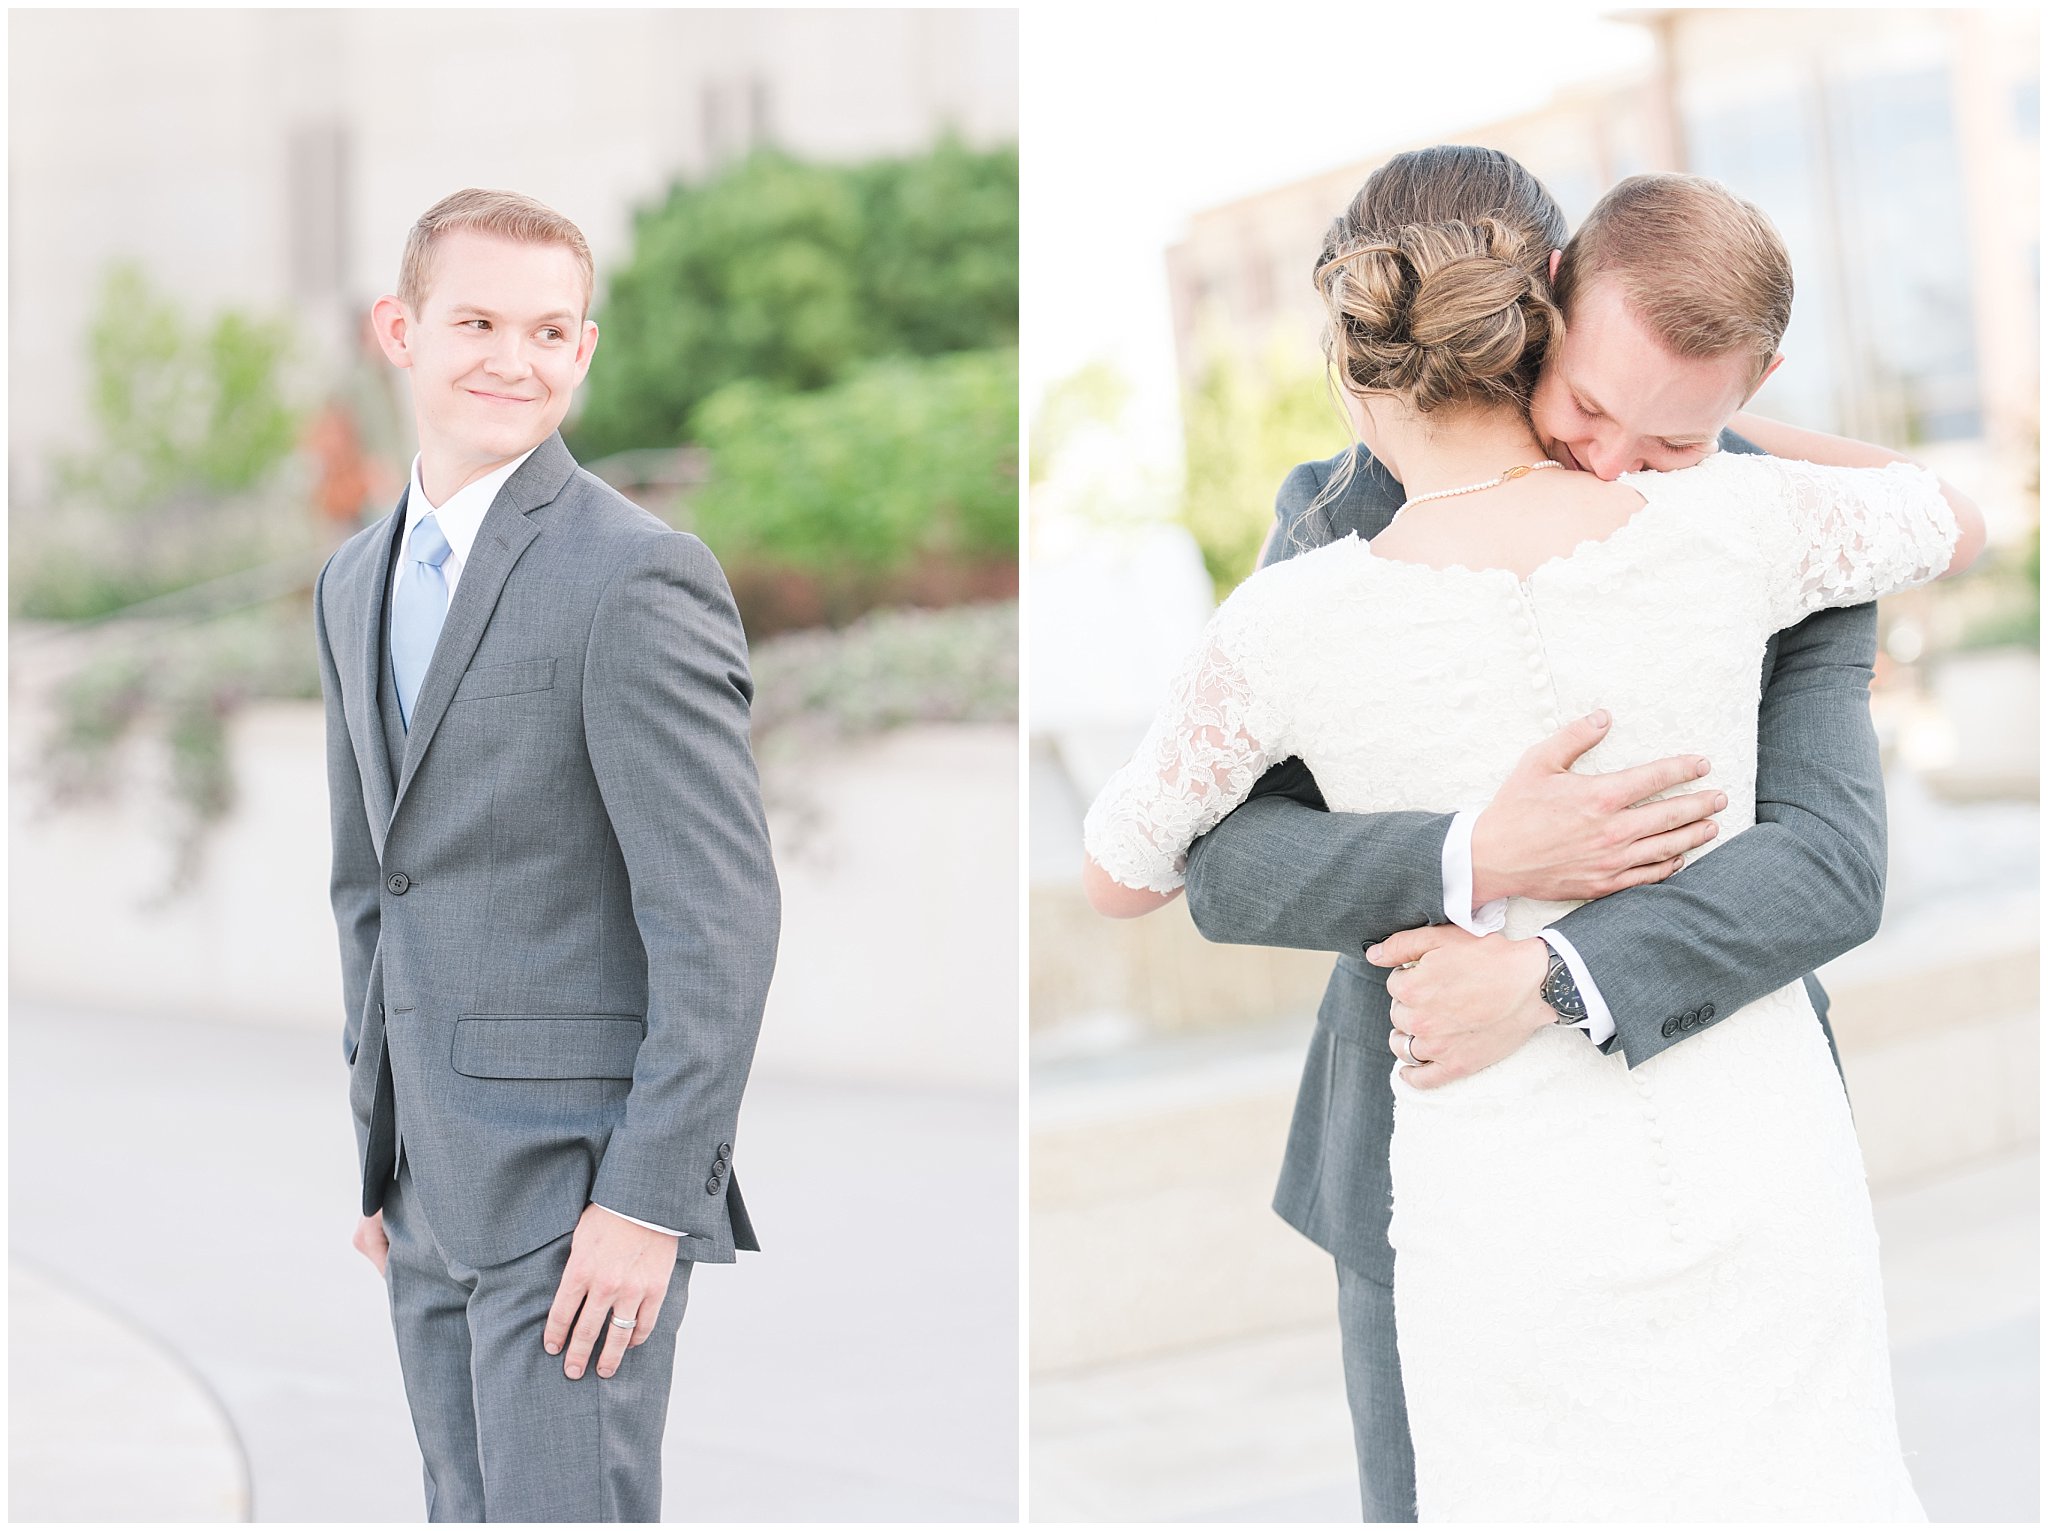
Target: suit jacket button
{"type": "Point", "coordinates": [398, 882]}
{"type": "Point", "coordinates": [711, 1185]}
{"type": "Point", "coordinates": [1706, 1012]}
{"type": "Point", "coordinates": [1669, 1026]}
{"type": "Point", "coordinates": [724, 1149]}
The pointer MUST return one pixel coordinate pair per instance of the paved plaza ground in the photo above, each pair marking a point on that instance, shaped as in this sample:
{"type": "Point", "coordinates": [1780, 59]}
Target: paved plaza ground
{"type": "Point", "coordinates": [1257, 1430]}
{"type": "Point", "coordinates": [194, 1338]}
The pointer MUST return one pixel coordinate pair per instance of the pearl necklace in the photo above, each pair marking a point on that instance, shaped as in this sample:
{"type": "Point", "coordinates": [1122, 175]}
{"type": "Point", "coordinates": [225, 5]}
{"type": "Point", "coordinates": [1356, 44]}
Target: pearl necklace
{"type": "Point", "coordinates": [1493, 483]}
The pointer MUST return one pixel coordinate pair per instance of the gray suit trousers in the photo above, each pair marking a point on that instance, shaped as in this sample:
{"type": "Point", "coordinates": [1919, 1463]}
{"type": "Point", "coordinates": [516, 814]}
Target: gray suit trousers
{"type": "Point", "coordinates": [503, 1434]}
{"type": "Point", "coordinates": [1379, 1408]}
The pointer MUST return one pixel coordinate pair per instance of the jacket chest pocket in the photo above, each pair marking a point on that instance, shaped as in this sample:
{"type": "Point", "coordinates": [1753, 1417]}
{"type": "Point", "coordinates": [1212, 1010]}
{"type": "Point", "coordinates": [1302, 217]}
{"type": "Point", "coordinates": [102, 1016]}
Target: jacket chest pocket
{"type": "Point", "coordinates": [505, 679]}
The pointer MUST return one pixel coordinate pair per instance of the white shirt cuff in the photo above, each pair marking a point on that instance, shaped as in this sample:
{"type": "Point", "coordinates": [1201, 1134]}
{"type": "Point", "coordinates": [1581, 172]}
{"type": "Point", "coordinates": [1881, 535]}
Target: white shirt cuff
{"type": "Point", "coordinates": [615, 1212]}
{"type": "Point", "coordinates": [1488, 917]}
{"type": "Point", "coordinates": [1599, 1021]}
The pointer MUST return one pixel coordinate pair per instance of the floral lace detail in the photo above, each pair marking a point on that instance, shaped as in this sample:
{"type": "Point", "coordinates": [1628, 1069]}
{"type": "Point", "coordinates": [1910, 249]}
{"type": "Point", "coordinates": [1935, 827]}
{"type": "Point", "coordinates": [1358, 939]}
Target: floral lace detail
{"type": "Point", "coordinates": [1620, 1294]}
{"type": "Point", "coordinates": [1200, 758]}
{"type": "Point", "coordinates": [1850, 534]}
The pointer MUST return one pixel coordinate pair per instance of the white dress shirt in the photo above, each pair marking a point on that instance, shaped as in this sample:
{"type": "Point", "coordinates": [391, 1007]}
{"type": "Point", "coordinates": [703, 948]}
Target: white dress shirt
{"type": "Point", "coordinates": [1493, 914]}
{"type": "Point", "coordinates": [460, 519]}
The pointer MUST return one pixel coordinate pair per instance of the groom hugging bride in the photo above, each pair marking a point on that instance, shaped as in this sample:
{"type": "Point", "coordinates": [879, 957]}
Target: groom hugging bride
{"type": "Point", "coordinates": [1548, 714]}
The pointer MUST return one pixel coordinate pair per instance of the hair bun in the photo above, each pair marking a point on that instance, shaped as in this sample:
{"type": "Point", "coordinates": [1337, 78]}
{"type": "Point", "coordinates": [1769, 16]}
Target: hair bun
{"type": "Point", "coordinates": [1438, 312]}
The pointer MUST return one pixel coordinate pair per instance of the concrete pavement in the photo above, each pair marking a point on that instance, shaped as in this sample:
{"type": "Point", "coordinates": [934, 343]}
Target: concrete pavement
{"type": "Point", "coordinates": [184, 1192]}
{"type": "Point", "coordinates": [1257, 1429]}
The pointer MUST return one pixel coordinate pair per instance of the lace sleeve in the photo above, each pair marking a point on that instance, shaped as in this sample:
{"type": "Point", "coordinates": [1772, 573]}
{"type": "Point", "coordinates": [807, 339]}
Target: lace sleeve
{"type": "Point", "coordinates": [1853, 534]}
{"type": "Point", "coordinates": [1207, 746]}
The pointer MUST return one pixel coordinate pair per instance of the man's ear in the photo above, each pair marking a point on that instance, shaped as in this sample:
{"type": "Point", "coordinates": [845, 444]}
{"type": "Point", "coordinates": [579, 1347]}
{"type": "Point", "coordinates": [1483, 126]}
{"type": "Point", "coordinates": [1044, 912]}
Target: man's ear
{"type": "Point", "coordinates": [1556, 258]}
{"type": "Point", "coordinates": [391, 323]}
{"type": "Point", "coordinates": [1776, 361]}
{"type": "Point", "coordinates": [585, 347]}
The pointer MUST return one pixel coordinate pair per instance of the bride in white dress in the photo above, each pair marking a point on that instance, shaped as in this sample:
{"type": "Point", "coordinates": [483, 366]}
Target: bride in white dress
{"type": "Point", "coordinates": [1619, 1294]}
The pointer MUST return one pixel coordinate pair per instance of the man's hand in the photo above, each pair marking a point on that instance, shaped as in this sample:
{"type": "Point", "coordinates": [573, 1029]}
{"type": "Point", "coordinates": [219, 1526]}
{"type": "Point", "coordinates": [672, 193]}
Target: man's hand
{"type": "Point", "coordinates": [370, 1239]}
{"type": "Point", "coordinates": [616, 1268]}
{"type": "Point", "coordinates": [1466, 1003]}
{"type": "Point", "coordinates": [1554, 833]}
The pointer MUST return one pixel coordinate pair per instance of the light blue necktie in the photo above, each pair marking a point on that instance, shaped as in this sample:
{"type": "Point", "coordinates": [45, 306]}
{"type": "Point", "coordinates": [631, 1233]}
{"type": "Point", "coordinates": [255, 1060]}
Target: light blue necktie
{"type": "Point", "coordinates": [418, 611]}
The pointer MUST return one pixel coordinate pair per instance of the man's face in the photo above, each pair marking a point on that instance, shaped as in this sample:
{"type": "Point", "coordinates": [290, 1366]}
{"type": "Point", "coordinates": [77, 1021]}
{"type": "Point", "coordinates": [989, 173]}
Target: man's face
{"type": "Point", "coordinates": [497, 347]}
{"type": "Point", "coordinates": [1613, 400]}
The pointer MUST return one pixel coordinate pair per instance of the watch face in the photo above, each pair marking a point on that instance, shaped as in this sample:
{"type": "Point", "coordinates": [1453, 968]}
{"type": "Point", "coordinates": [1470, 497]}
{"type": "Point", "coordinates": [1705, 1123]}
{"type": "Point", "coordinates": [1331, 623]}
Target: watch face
{"type": "Point", "coordinates": [1560, 993]}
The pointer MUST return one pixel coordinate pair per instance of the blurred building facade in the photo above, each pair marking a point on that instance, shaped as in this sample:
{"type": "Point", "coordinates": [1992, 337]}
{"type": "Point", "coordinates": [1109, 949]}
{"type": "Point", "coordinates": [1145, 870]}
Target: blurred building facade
{"type": "Point", "coordinates": [274, 159]}
{"type": "Point", "coordinates": [1898, 152]}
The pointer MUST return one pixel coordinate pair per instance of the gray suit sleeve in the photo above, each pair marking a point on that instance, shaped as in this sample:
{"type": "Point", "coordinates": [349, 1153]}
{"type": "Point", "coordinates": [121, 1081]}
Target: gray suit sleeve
{"type": "Point", "coordinates": [354, 885]}
{"type": "Point", "coordinates": [1283, 871]}
{"type": "Point", "coordinates": [666, 694]}
{"type": "Point", "coordinates": [1803, 885]}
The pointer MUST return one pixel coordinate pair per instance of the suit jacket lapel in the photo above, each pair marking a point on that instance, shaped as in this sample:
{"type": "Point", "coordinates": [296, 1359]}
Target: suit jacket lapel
{"type": "Point", "coordinates": [500, 540]}
{"type": "Point", "coordinates": [373, 760]}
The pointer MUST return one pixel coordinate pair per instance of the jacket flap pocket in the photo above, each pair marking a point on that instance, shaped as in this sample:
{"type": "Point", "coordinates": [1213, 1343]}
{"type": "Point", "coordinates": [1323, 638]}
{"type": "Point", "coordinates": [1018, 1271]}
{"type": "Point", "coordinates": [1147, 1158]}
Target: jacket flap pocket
{"type": "Point", "coordinates": [505, 679]}
{"type": "Point", "coordinates": [547, 1046]}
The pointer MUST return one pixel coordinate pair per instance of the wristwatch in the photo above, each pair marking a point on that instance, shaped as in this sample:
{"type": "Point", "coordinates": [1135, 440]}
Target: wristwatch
{"type": "Point", "coordinates": [1561, 993]}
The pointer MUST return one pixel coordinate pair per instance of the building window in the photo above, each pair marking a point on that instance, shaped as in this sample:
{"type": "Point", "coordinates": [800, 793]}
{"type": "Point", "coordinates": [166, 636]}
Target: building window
{"type": "Point", "coordinates": [1769, 152]}
{"type": "Point", "coordinates": [1906, 238]}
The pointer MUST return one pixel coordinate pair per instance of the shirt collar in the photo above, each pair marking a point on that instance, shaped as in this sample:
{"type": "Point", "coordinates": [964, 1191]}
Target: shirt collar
{"type": "Point", "coordinates": [462, 517]}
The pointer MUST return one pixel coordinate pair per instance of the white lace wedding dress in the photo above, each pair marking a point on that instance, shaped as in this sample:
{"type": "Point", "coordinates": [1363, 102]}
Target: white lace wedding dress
{"type": "Point", "coordinates": [1620, 1294]}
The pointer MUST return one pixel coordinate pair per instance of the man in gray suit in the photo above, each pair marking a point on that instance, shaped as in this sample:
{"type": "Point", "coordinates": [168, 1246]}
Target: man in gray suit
{"type": "Point", "coordinates": [551, 876]}
{"type": "Point", "coordinates": [1658, 954]}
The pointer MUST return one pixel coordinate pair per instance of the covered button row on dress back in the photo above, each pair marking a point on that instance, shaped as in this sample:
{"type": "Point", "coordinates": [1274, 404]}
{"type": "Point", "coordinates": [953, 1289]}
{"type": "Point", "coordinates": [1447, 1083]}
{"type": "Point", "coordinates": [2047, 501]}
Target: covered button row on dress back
{"type": "Point", "coordinates": [1537, 663]}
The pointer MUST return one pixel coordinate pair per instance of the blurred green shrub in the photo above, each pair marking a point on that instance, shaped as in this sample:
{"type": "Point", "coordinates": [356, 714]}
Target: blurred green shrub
{"type": "Point", "coordinates": [886, 670]}
{"type": "Point", "coordinates": [181, 409]}
{"type": "Point", "coordinates": [2004, 595]}
{"type": "Point", "coordinates": [907, 456]}
{"type": "Point", "coordinates": [1245, 426]}
{"type": "Point", "coordinates": [793, 275]}
{"type": "Point", "coordinates": [192, 431]}
{"type": "Point", "coordinates": [178, 685]}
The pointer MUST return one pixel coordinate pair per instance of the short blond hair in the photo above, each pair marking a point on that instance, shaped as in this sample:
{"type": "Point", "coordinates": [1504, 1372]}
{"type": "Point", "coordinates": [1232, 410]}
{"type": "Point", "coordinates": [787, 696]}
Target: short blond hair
{"type": "Point", "coordinates": [1702, 268]}
{"type": "Point", "coordinates": [504, 213]}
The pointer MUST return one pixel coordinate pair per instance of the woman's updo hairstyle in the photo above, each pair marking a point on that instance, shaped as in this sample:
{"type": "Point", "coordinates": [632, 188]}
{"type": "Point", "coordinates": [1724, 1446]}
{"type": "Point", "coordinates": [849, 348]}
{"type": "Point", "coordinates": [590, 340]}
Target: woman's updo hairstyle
{"type": "Point", "coordinates": [1436, 280]}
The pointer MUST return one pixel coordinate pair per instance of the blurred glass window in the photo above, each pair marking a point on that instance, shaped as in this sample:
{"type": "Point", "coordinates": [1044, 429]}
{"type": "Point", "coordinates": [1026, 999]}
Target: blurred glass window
{"type": "Point", "coordinates": [1906, 234]}
{"type": "Point", "coordinates": [1770, 151]}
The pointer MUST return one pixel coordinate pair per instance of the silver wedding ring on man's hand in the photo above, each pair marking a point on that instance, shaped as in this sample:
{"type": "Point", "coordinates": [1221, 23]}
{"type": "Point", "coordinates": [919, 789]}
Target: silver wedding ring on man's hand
{"type": "Point", "coordinates": [1404, 1048]}
{"type": "Point", "coordinates": [623, 1323]}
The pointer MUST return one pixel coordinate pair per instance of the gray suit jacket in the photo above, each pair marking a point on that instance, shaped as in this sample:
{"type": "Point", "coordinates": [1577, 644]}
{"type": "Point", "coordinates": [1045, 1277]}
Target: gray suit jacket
{"type": "Point", "coordinates": [1805, 884]}
{"type": "Point", "coordinates": [558, 913]}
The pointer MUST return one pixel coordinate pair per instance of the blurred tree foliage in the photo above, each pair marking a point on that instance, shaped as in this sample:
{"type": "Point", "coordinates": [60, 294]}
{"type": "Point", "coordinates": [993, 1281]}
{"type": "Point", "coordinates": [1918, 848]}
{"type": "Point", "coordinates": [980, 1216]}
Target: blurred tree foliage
{"type": "Point", "coordinates": [193, 430]}
{"type": "Point", "coordinates": [176, 686]}
{"type": "Point", "coordinates": [180, 409]}
{"type": "Point", "coordinates": [1096, 395]}
{"type": "Point", "coordinates": [905, 457]}
{"type": "Point", "coordinates": [1246, 425]}
{"type": "Point", "coordinates": [2001, 597]}
{"type": "Point", "coordinates": [793, 276]}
